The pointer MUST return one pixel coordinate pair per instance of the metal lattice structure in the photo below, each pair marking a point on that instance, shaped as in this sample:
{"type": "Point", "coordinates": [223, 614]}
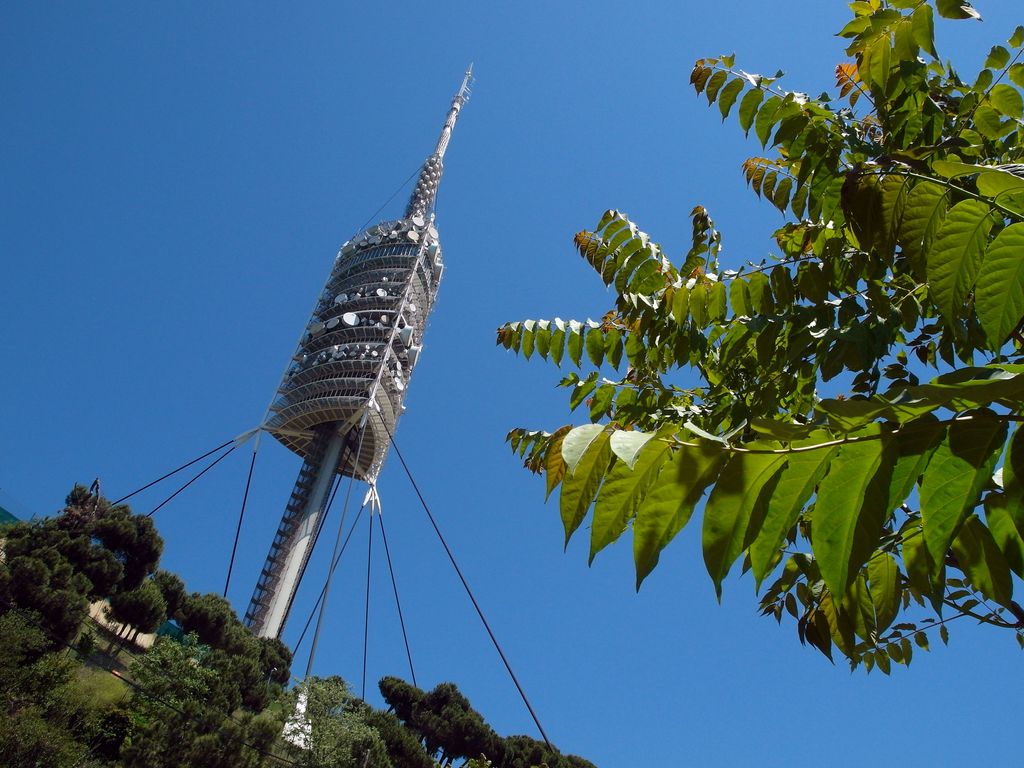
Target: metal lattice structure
{"type": "Point", "coordinates": [354, 361]}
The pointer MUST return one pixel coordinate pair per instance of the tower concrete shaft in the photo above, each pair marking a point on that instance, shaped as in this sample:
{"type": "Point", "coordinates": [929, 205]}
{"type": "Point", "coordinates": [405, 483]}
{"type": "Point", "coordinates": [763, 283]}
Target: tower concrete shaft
{"type": "Point", "coordinates": [342, 394]}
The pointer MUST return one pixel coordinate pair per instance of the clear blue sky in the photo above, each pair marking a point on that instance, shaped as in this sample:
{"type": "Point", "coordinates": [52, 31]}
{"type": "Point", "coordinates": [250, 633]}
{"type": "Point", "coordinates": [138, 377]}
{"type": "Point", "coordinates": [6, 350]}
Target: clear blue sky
{"type": "Point", "coordinates": [176, 179]}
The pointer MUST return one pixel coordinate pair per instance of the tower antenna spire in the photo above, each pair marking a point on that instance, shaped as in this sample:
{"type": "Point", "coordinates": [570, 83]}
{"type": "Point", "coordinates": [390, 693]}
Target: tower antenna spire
{"type": "Point", "coordinates": [353, 361]}
{"type": "Point", "coordinates": [423, 196]}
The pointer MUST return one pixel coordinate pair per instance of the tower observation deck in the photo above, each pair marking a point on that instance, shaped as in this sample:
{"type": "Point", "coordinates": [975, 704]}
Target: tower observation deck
{"type": "Point", "coordinates": [341, 396]}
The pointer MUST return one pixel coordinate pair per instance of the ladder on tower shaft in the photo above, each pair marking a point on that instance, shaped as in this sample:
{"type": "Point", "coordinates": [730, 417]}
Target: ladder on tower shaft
{"type": "Point", "coordinates": [271, 573]}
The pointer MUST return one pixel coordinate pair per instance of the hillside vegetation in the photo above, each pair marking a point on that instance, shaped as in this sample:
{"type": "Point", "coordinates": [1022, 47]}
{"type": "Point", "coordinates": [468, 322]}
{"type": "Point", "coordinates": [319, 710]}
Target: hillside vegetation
{"type": "Point", "coordinates": [211, 695]}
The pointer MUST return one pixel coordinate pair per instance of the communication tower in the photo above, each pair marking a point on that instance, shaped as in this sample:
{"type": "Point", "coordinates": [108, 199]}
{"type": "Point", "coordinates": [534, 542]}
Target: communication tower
{"type": "Point", "coordinates": [342, 393]}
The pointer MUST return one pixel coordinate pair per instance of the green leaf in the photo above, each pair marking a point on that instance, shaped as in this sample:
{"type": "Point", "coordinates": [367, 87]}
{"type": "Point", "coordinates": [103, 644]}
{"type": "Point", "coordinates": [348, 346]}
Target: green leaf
{"type": "Point", "coordinates": [840, 626]}
{"type": "Point", "coordinates": [626, 445]}
{"type": "Point", "coordinates": [543, 339]}
{"type": "Point", "coordinates": [1013, 479]}
{"type": "Point", "coordinates": [861, 201]}
{"type": "Point", "coordinates": [894, 190]}
{"type": "Point", "coordinates": [1016, 75]}
{"type": "Point", "coordinates": [699, 305]}
{"type": "Point", "coordinates": [884, 588]}
{"type": "Point", "coordinates": [554, 465]}
{"type": "Point", "coordinates": [818, 633]}
{"type": "Point", "coordinates": [766, 117]}
{"type": "Point", "coordinates": [850, 510]}
{"type": "Point", "coordinates": [994, 182]}
{"type": "Point", "coordinates": [989, 123]}
{"type": "Point", "coordinates": [580, 485]}
{"type": "Point", "coordinates": [960, 467]}
{"type": "Point", "coordinates": [728, 96]}
{"type": "Point", "coordinates": [966, 388]}
{"type": "Point", "coordinates": [916, 442]}
{"type": "Point", "coordinates": [575, 344]}
{"type": "Point", "coordinates": [669, 503]}
{"type": "Point", "coordinates": [748, 108]}
{"type": "Point", "coordinates": [681, 305]}
{"type": "Point", "coordinates": [1004, 531]}
{"type": "Point", "coordinates": [855, 27]}
{"type": "Point", "coordinates": [997, 58]}
{"type": "Point", "coordinates": [781, 197]}
{"type": "Point", "coordinates": [739, 297]}
{"type": "Point", "coordinates": [882, 660]}
{"type": "Point", "coordinates": [956, 255]}
{"type": "Point", "coordinates": [581, 391]}
{"type": "Point", "coordinates": [954, 169]}
{"type": "Point", "coordinates": [795, 486]}
{"type": "Point", "coordinates": [624, 488]}
{"type": "Point", "coordinates": [526, 340]}
{"type": "Point", "coordinates": [594, 341]}
{"type": "Point", "coordinates": [919, 564]}
{"type": "Point", "coordinates": [849, 415]}
{"type": "Point", "coordinates": [922, 26]}
{"type": "Point", "coordinates": [1007, 100]}
{"type": "Point", "coordinates": [576, 443]}
{"type": "Point", "coordinates": [717, 302]}
{"type": "Point", "coordinates": [999, 295]}
{"type": "Point", "coordinates": [876, 61]}
{"type": "Point", "coordinates": [905, 46]}
{"type": "Point", "coordinates": [956, 9]}
{"type": "Point", "coordinates": [923, 213]}
{"type": "Point", "coordinates": [858, 606]}
{"type": "Point", "coordinates": [760, 293]}
{"type": "Point", "coordinates": [557, 345]}
{"type": "Point", "coordinates": [602, 401]}
{"type": "Point", "coordinates": [613, 346]}
{"type": "Point", "coordinates": [785, 431]}
{"type": "Point", "coordinates": [714, 85]}
{"type": "Point", "coordinates": [733, 514]}
{"type": "Point", "coordinates": [980, 558]}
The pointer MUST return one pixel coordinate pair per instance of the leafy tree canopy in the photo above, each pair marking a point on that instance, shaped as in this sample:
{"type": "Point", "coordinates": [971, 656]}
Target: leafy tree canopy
{"type": "Point", "coordinates": [873, 516]}
{"type": "Point", "coordinates": [143, 607]}
{"type": "Point", "coordinates": [449, 729]}
{"type": "Point", "coordinates": [204, 702]}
